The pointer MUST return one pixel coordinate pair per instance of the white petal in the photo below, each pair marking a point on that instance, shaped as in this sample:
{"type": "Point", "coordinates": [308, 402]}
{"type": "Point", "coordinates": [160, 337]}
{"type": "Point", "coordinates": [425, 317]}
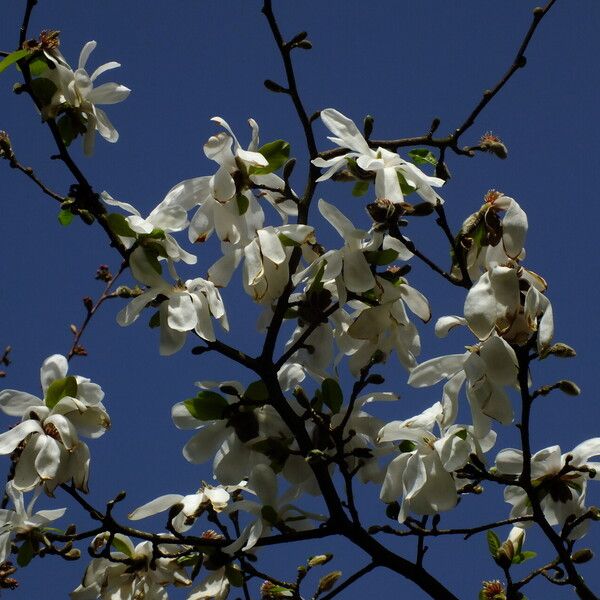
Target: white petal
{"type": "Point", "coordinates": [54, 367]}
{"type": "Point", "coordinates": [109, 93]}
{"type": "Point", "coordinates": [346, 132]}
{"type": "Point", "coordinates": [436, 369]}
{"type": "Point", "coordinates": [85, 54]}
{"type": "Point", "coordinates": [514, 230]}
{"type": "Point", "coordinates": [15, 403]}
{"type": "Point", "coordinates": [445, 324]}
{"type": "Point", "coordinates": [155, 506]}
{"type": "Point", "coordinates": [11, 439]}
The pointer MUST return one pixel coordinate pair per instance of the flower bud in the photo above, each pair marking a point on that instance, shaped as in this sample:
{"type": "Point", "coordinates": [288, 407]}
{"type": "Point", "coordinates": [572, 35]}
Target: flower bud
{"type": "Point", "coordinates": [569, 387]}
{"type": "Point", "coordinates": [328, 581]}
{"type": "Point", "coordinates": [319, 559]}
{"type": "Point", "coordinates": [582, 556]}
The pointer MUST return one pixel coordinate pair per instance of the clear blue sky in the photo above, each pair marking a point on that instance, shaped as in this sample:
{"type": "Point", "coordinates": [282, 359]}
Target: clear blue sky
{"type": "Point", "coordinates": [404, 63]}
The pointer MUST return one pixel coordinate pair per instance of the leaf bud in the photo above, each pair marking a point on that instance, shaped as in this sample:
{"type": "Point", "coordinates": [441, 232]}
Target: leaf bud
{"type": "Point", "coordinates": [319, 559]}
{"type": "Point", "coordinates": [6, 150]}
{"type": "Point", "coordinates": [392, 511]}
{"type": "Point", "coordinates": [505, 554]}
{"type": "Point", "coordinates": [270, 591]}
{"type": "Point", "coordinates": [368, 126]}
{"type": "Point", "coordinates": [72, 554]}
{"type": "Point", "coordinates": [288, 168]}
{"type": "Point", "coordinates": [275, 87]}
{"type": "Point", "coordinates": [560, 350]}
{"type": "Point", "coordinates": [569, 387]}
{"type": "Point", "coordinates": [375, 379]}
{"type": "Point", "coordinates": [328, 581]}
{"type": "Point", "coordinates": [304, 44]}
{"type": "Point", "coordinates": [582, 556]}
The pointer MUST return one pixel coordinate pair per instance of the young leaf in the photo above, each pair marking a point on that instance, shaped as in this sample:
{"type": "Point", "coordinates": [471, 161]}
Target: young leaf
{"type": "Point", "coordinates": [242, 203]}
{"type": "Point", "coordinates": [421, 156]}
{"type": "Point", "coordinates": [276, 153]}
{"type": "Point", "coordinates": [12, 58]}
{"type": "Point", "coordinates": [120, 546]}
{"type": "Point", "coordinates": [43, 89]}
{"type": "Point", "coordinates": [65, 217]}
{"type": "Point", "coordinates": [381, 257]}
{"type": "Point", "coordinates": [60, 388]}
{"type": "Point", "coordinates": [25, 554]}
{"type": "Point", "coordinates": [257, 392]}
{"type": "Point", "coordinates": [332, 395]}
{"type": "Point", "coordinates": [493, 542]}
{"type": "Point", "coordinates": [206, 406]}
{"type": "Point", "coordinates": [119, 225]}
{"type": "Point", "coordinates": [360, 188]}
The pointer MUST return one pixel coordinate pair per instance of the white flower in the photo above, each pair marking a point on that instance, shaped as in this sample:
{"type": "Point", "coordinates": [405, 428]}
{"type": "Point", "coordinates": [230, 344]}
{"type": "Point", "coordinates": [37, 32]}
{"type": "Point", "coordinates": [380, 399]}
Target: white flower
{"type": "Point", "coordinates": [189, 306]}
{"type": "Point", "coordinates": [21, 521]}
{"type": "Point", "coordinates": [386, 165]}
{"type": "Point", "coordinates": [140, 575]}
{"type": "Point", "coordinates": [165, 217]}
{"type": "Point", "coordinates": [421, 474]}
{"type": "Point", "coordinates": [226, 204]}
{"type": "Point", "coordinates": [559, 480]}
{"type": "Point", "coordinates": [488, 368]}
{"type": "Point", "coordinates": [52, 452]}
{"type": "Point", "coordinates": [76, 89]}
{"type": "Point", "coordinates": [271, 510]}
{"type": "Point", "coordinates": [192, 506]}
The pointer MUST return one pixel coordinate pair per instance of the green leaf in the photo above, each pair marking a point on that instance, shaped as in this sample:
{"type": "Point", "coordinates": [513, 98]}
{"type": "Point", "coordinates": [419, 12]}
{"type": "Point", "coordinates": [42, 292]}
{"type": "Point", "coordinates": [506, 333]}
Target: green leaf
{"type": "Point", "coordinates": [242, 203]}
{"type": "Point", "coordinates": [360, 188]}
{"type": "Point", "coordinates": [406, 188]}
{"type": "Point", "coordinates": [234, 576]}
{"type": "Point", "coordinates": [493, 542]}
{"type": "Point", "coordinates": [65, 217]}
{"type": "Point", "coordinates": [60, 388]}
{"type": "Point", "coordinates": [120, 546]}
{"type": "Point", "coordinates": [119, 225]}
{"type": "Point", "coordinates": [206, 406]}
{"type": "Point", "coordinates": [523, 556]}
{"type": "Point", "coordinates": [276, 153]}
{"type": "Point", "coordinates": [462, 434]}
{"type": "Point", "coordinates": [12, 58]}
{"type": "Point", "coordinates": [43, 89]}
{"type": "Point", "coordinates": [421, 156]}
{"type": "Point", "coordinates": [37, 66]}
{"type": "Point", "coordinates": [188, 561]}
{"type": "Point", "coordinates": [154, 320]}
{"type": "Point", "coordinates": [381, 257]}
{"type": "Point", "coordinates": [332, 395]}
{"type": "Point", "coordinates": [257, 392]}
{"type": "Point", "coordinates": [406, 446]}
{"type": "Point", "coordinates": [70, 126]}
{"type": "Point", "coordinates": [152, 257]}
{"type": "Point", "coordinates": [286, 241]}
{"type": "Point", "coordinates": [25, 554]}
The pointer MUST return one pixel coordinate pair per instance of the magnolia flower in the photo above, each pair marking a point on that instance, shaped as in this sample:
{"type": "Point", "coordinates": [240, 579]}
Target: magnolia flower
{"type": "Point", "coordinates": [266, 257]}
{"type": "Point", "coordinates": [421, 474]}
{"type": "Point", "coordinates": [21, 521]}
{"type": "Point", "coordinates": [192, 505]}
{"type": "Point", "coordinates": [560, 482]}
{"type": "Point", "coordinates": [213, 587]}
{"type": "Point", "coordinates": [48, 436]}
{"type": "Point", "coordinates": [75, 89]}
{"type": "Point", "coordinates": [348, 266]}
{"type": "Point", "coordinates": [226, 203]}
{"type": "Point", "coordinates": [509, 299]}
{"type": "Point", "coordinates": [189, 306]}
{"type": "Point", "coordinates": [165, 217]}
{"type": "Point", "coordinates": [385, 327]}
{"type": "Point", "coordinates": [387, 166]}
{"type": "Point", "coordinates": [270, 511]}
{"type": "Point", "coordinates": [487, 367]}
{"type": "Point", "coordinates": [139, 575]}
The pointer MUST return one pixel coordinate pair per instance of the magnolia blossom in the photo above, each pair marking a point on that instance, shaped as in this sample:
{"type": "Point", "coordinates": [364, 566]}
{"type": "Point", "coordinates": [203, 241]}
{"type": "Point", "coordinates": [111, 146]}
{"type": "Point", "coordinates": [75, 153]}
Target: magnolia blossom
{"type": "Point", "coordinates": [226, 203]}
{"type": "Point", "coordinates": [75, 90]}
{"type": "Point", "coordinates": [386, 165]}
{"type": "Point", "coordinates": [266, 257]}
{"type": "Point", "coordinates": [422, 473]}
{"type": "Point", "coordinates": [348, 266]}
{"type": "Point", "coordinates": [48, 436]}
{"type": "Point", "coordinates": [165, 218]}
{"type": "Point", "coordinates": [21, 521]}
{"type": "Point", "coordinates": [487, 367]}
{"type": "Point", "coordinates": [140, 575]}
{"type": "Point", "coordinates": [192, 506]}
{"type": "Point", "coordinates": [560, 482]}
{"type": "Point", "coordinates": [189, 306]}
{"type": "Point", "coordinates": [271, 510]}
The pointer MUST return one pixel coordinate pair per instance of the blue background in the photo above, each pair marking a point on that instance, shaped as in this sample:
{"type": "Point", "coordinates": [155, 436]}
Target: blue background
{"type": "Point", "coordinates": [404, 63]}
